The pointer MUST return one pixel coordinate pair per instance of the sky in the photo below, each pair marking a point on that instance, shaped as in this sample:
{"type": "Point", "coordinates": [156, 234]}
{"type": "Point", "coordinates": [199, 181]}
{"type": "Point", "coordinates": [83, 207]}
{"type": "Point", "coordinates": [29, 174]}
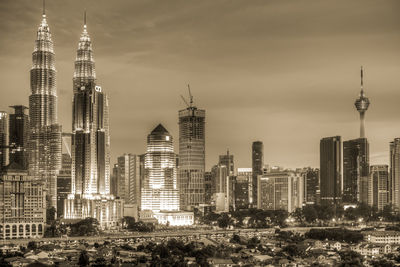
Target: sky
{"type": "Point", "coordinates": [283, 72]}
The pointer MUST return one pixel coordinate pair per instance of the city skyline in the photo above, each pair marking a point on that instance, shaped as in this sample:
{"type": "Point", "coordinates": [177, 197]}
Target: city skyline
{"type": "Point", "coordinates": [300, 90]}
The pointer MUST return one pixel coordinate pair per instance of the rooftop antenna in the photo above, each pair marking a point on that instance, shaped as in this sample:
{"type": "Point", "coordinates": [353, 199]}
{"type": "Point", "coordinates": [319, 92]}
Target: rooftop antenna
{"type": "Point", "coordinates": [84, 18]}
{"type": "Point", "coordinates": [44, 8]}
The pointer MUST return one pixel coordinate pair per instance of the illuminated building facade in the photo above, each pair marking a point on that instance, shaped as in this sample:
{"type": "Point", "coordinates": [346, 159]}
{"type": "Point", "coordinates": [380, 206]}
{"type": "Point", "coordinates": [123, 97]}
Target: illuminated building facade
{"type": "Point", "coordinates": [18, 136]}
{"type": "Point", "coordinates": [3, 139]}
{"type": "Point", "coordinates": [23, 209]}
{"type": "Point", "coordinates": [191, 156]}
{"type": "Point", "coordinates": [379, 186]}
{"type": "Point", "coordinates": [280, 190]}
{"type": "Point", "coordinates": [208, 187]}
{"type": "Point", "coordinates": [44, 145]}
{"type": "Point", "coordinates": [331, 170]}
{"type": "Point", "coordinates": [160, 187]}
{"type": "Point", "coordinates": [257, 154]}
{"type": "Point", "coordinates": [160, 194]}
{"type": "Point", "coordinates": [90, 195]}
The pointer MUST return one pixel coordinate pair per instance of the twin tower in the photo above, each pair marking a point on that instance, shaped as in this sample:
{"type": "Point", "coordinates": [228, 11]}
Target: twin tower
{"type": "Point", "coordinates": [90, 143]}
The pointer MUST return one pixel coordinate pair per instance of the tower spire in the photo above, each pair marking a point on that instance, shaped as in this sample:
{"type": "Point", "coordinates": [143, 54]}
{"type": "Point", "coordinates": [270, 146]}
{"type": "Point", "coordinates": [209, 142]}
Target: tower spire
{"type": "Point", "coordinates": [362, 104]}
{"type": "Point", "coordinates": [44, 8]}
{"type": "Point", "coordinates": [84, 18]}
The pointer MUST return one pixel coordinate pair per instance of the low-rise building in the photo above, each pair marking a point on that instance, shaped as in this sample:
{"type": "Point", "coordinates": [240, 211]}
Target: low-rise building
{"type": "Point", "coordinates": [368, 249]}
{"type": "Point", "coordinates": [382, 237]}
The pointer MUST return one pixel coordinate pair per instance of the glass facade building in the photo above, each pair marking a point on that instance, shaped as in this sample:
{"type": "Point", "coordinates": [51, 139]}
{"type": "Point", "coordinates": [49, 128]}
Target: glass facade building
{"type": "Point", "coordinates": [18, 136]}
{"type": "Point", "coordinates": [355, 171]}
{"type": "Point", "coordinates": [160, 186]}
{"type": "Point", "coordinates": [90, 188]}
{"type": "Point", "coordinates": [331, 170]}
{"type": "Point", "coordinates": [191, 157]}
{"type": "Point", "coordinates": [395, 173]}
{"type": "Point", "coordinates": [44, 147]}
{"type": "Point", "coordinates": [3, 139]}
{"type": "Point", "coordinates": [379, 186]}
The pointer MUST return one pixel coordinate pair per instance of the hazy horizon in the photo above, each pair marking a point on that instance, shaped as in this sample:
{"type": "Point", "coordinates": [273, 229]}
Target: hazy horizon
{"type": "Point", "coordinates": [282, 72]}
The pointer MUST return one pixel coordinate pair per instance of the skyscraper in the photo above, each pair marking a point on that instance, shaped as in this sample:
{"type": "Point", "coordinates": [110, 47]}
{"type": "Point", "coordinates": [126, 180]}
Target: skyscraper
{"type": "Point", "coordinates": [45, 133]}
{"type": "Point", "coordinates": [128, 179]}
{"type": "Point", "coordinates": [331, 170]}
{"type": "Point", "coordinates": [379, 184]}
{"type": "Point", "coordinates": [242, 187]}
{"type": "Point", "coordinates": [18, 136]}
{"type": "Point", "coordinates": [191, 156]}
{"type": "Point", "coordinates": [395, 173]}
{"type": "Point", "coordinates": [311, 185]}
{"type": "Point", "coordinates": [355, 171]}
{"type": "Point", "coordinates": [362, 104]}
{"type": "Point", "coordinates": [257, 152]}
{"type": "Point", "coordinates": [160, 193]}
{"type": "Point", "coordinates": [90, 142]}
{"type": "Point", "coordinates": [3, 139]}
{"type": "Point", "coordinates": [160, 187]}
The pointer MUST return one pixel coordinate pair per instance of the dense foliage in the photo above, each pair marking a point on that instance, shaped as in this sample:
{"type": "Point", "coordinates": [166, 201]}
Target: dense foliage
{"type": "Point", "coordinates": [335, 234]}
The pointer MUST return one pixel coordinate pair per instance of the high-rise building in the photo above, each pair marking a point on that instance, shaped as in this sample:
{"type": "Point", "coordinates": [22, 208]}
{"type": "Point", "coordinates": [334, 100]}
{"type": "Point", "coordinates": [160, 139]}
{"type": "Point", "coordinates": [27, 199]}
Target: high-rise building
{"type": "Point", "coordinates": [362, 104]}
{"type": "Point", "coordinates": [227, 160]}
{"type": "Point", "coordinates": [208, 187]}
{"type": "Point", "coordinates": [331, 170]}
{"type": "Point", "coordinates": [23, 204]}
{"type": "Point", "coordinates": [191, 156]}
{"type": "Point", "coordinates": [257, 150]}
{"type": "Point", "coordinates": [3, 139]}
{"type": "Point", "coordinates": [242, 187]}
{"type": "Point", "coordinates": [280, 190]}
{"type": "Point", "coordinates": [18, 136]}
{"type": "Point", "coordinates": [311, 185]}
{"type": "Point", "coordinates": [63, 183]}
{"type": "Point", "coordinates": [355, 171]}
{"type": "Point", "coordinates": [395, 173]}
{"type": "Point", "coordinates": [160, 193]}
{"type": "Point", "coordinates": [44, 147]}
{"type": "Point", "coordinates": [90, 195]}
{"type": "Point", "coordinates": [379, 186]}
{"type": "Point", "coordinates": [128, 179]}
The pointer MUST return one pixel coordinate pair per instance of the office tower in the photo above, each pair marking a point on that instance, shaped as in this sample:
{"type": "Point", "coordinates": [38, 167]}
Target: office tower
{"type": "Point", "coordinates": [128, 179]}
{"type": "Point", "coordinates": [23, 209]}
{"type": "Point", "coordinates": [18, 136]}
{"type": "Point", "coordinates": [243, 187]}
{"type": "Point", "coordinates": [44, 147]}
{"type": "Point", "coordinates": [160, 188]}
{"type": "Point", "coordinates": [379, 186]}
{"type": "Point", "coordinates": [208, 187]}
{"type": "Point", "coordinates": [227, 161]}
{"type": "Point", "coordinates": [279, 190]}
{"type": "Point", "coordinates": [114, 180]}
{"type": "Point", "coordinates": [3, 139]}
{"type": "Point", "coordinates": [311, 185]}
{"type": "Point", "coordinates": [191, 156]}
{"type": "Point", "coordinates": [257, 150]}
{"type": "Point", "coordinates": [63, 183]}
{"type": "Point", "coordinates": [90, 195]}
{"type": "Point", "coordinates": [160, 194]}
{"type": "Point", "coordinates": [330, 170]}
{"type": "Point", "coordinates": [362, 104]}
{"type": "Point", "coordinates": [395, 173]}
{"type": "Point", "coordinates": [355, 171]}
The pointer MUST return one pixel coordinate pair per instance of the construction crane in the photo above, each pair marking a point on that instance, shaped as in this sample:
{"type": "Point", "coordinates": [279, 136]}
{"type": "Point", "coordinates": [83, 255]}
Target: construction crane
{"type": "Point", "coordinates": [190, 104]}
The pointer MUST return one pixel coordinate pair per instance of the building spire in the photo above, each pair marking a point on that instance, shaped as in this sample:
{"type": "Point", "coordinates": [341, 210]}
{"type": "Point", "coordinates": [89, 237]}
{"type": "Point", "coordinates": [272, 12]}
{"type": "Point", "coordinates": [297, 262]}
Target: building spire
{"type": "Point", "coordinates": [84, 18]}
{"type": "Point", "coordinates": [44, 8]}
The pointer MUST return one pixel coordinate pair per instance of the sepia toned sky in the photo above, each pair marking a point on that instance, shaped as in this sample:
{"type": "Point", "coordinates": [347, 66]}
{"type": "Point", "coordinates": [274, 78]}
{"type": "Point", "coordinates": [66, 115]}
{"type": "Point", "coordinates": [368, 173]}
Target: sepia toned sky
{"type": "Point", "coordinates": [283, 72]}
